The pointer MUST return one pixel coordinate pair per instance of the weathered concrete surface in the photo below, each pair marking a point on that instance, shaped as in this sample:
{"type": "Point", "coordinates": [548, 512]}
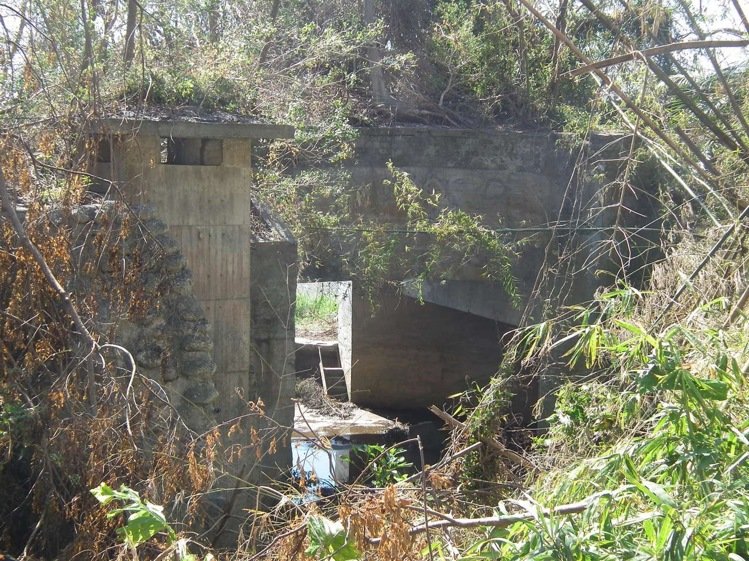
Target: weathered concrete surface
{"type": "Point", "coordinates": [161, 324]}
{"type": "Point", "coordinates": [198, 178]}
{"type": "Point", "coordinates": [406, 355]}
{"type": "Point", "coordinates": [526, 182]}
{"type": "Point", "coordinates": [309, 423]}
{"type": "Point", "coordinates": [273, 290]}
{"type": "Point", "coordinates": [518, 177]}
{"type": "Point", "coordinates": [478, 297]}
{"type": "Point", "coordinates": [540, 187]}
{"type": "Point", "coordinates": [207, 209]}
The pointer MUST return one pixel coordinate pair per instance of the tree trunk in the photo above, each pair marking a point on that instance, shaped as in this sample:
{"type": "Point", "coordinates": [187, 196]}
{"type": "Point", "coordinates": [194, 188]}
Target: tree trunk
{"type": "Point", "coordinates": [273, 15]}
{"type": "Point", "coordinates": [132, 18]}
{"type": "Point", "coordinates": [380, 94]}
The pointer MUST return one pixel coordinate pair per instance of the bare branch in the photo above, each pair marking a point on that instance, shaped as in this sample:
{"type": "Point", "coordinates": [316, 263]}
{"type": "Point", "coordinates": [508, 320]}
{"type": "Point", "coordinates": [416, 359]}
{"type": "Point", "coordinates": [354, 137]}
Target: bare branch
{"type": "Point", "coordinates": [492, 443]}
{"type": "Point", "coordinates": [492, 521]}
{"type": "Point", "coordinates": [631, 105]}
{"type": "Point", "coordinates": [647, 53]}
{"type": "Point", "coordinates": [9, 210]}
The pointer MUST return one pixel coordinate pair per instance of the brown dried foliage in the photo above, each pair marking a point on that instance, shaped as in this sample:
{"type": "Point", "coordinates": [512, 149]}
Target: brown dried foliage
{"type": "Point", "coordinates": [55, 444]}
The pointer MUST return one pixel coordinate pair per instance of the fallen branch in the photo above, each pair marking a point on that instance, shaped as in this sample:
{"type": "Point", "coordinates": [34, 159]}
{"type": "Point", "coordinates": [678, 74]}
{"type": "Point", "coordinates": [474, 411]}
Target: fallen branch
{"type": "Point", "coordinates": [10, 211]}
{"type": "Point", "coordinates": [491, 521]}
{"type": "Point", "coordinates": [490, 442]}
{"type": "Point", "coordinates": [683, 46]}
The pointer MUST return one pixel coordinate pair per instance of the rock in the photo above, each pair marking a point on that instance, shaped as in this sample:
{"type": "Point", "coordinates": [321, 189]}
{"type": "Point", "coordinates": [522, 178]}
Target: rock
{"type": "Point", "coordinates": [85, 213]}
{"type": "Point", "coordinates": [194, 344]}
{"type": "Point", "coordinates": [197, 365]}
{"type": "Point", "coordinates": [201, 393]}
{"type": "Point", "coordinates": [152, 226]}
{"type": "Point", "coordinates": [168, 371]}
{"type": "Point", "coordinates": [181, 283]}
{"type": "Point", "coordinates": [173, 262]}
{"type": "Point", "coordinates": [167, 244]}
{"type": "Point", "coordinates": [188, 309]}
{"type": "Point", "coordinates": [149, 358]}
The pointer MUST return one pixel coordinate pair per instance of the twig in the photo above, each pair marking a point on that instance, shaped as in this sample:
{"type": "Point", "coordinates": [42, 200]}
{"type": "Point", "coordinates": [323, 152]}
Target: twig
{"type": "Point", "coordinates": [737, 308]}
{"type": "Point", "coordinates": [705, 260]}
{"type": "Point", "coordinates": [620, 93]}
{"type": "Point", "coordinates": [424, 497]}
{"type": "Point", "coordinates": [40, 522]}
{"type": "Point", "coordinates": [492, 443]}
{"type": "Point", "coordinates": [10, 211]}
{"type": "Point", "coordinates": [275, 540]}
{"type": "Point", "coordinates": [492, 521]}
{"type": "Point", "coordinates": [226, 515]}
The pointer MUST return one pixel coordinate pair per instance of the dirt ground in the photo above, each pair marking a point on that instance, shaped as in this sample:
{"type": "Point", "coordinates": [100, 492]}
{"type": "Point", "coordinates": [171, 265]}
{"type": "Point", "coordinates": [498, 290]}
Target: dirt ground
{"type": "Point", "coordinates": [309, 391]}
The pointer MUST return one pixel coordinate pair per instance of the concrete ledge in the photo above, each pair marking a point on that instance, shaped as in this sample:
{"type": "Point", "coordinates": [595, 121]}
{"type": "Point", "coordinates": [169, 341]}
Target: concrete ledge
{"type": "Point", "coordinates": [311, 424]}
{"type": "Point", "coordinates": [191, 129]}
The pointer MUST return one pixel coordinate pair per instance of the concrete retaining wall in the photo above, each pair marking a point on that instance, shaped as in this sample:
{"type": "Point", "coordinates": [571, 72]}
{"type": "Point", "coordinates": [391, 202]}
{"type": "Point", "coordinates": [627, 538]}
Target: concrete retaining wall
{"type": "Point", "coordinates": [406, 354]}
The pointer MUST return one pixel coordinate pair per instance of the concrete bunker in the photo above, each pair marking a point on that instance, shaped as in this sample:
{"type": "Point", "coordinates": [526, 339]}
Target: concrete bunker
{"type": "Point", "coordinates": [194, 173]}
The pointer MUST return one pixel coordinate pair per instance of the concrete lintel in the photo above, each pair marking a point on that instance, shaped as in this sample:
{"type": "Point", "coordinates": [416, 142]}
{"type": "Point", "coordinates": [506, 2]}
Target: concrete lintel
{"type": "Point", "coordinates": [191, 129]}
{"type": "Point", "coordinates": [481, 298]}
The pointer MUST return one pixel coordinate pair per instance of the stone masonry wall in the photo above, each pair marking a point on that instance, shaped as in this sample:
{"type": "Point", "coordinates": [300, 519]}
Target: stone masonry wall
{"type": "Point", "coordinates": [139, 286]}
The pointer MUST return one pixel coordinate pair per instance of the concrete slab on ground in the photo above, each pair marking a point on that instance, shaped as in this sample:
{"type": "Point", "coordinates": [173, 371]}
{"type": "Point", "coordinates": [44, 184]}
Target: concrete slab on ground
{"type": "Point", "coordinates": [309, 423]}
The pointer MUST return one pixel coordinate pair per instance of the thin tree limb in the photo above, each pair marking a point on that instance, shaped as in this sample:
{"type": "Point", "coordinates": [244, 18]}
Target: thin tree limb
{"type": "Point", "coordinates": [647, 53]}
{"type": "Point", "coordinates": [606, 80]}
{"type": "Point", "coordinates": [443, 462]}
{"type": "Point", "coordinates": [491, 521]}
{"type": "Point", "coordinates": [424, 497]}
{"type": "Point", "coordinates": [705, 260]}
{"type": "Point", "coordinates": [741, 14]}
{"type": "Point", "coordinates": [266, 47]}
{"type": "Point", "coordinates": [132, 19]}
{"type": "Point", "coordinates": [9, 210]}
{"type": "Point", "coordinates": [720, 134]}
{"type": "Point", "coordinates": [735, 106]}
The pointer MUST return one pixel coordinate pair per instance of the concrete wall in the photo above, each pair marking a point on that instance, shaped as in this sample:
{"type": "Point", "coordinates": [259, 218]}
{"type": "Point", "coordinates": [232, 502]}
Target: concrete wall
{"type": "Point", "coordinates": [519, 177]}
{"type": "Point", "coordinates": [273, 291]}
{"type": "Point", "coordinates": [524, 180]}
{"type": "Point", "coordinates": [138, 280]}
{"type": "Point", "coordinates": [207, 209]}
{"type": "Point", "coordinates": [407, 355]}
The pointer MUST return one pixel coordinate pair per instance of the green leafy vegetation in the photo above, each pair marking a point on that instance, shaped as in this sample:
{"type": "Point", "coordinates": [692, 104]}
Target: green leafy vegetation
{"type": "Point", "coordinates": [328, 540]}
{"type": "Point", "coordinates": [664, 477]}
{"type": "Point", "coordinates": [316, 312]}
{"type": "Point", "coordinates": [633, 441]}
{"type": "Point", "coordinates": [385, 465]}
{"type": "Point", "coordinates": [144, 519]}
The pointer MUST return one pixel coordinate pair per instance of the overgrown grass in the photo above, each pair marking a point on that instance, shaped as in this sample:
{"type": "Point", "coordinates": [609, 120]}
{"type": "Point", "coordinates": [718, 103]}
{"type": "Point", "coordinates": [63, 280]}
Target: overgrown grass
{"type": "Point", "coordinates": [316, 312]}
{"type": "Point", "coordinates": [655, 447]}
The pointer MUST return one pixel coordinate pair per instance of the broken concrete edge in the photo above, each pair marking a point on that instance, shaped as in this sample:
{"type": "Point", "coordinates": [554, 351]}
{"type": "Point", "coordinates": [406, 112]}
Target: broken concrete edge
{"type": "Point", "coordinates": [305, 343]}
{"type": "Point", "coordinates": [478, 297]}
{"type": "Point", "coordinates": [190, 129]}
{"type": "Point", "coordinates": [309, 424]}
